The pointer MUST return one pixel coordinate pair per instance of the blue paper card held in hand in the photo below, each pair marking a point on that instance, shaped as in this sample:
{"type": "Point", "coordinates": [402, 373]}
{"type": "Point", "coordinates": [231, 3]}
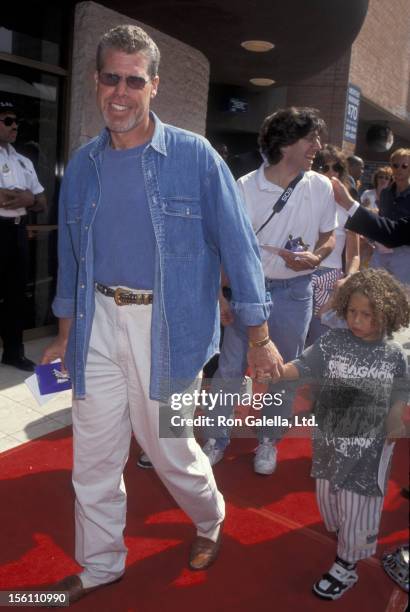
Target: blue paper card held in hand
{"type": "Point", "coordinates": [51, 379]}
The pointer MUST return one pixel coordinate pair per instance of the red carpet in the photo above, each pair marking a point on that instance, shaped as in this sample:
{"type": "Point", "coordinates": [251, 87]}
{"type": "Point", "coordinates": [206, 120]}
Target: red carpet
{"type": "Point", "coordinates": [274, 548]}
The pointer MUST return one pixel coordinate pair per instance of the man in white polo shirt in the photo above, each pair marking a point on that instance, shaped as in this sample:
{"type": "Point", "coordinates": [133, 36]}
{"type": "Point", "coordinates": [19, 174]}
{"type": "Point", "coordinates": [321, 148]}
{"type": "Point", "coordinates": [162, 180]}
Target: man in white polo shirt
{"type": "Point", "coordinates": [304, 220]}
{"type": "Point", "coordinates": [20, 191]}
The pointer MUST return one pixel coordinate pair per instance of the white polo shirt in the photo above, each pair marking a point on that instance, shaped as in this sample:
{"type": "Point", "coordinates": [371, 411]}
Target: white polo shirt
{"type": "Point", "coordinates": [334, 260]}
{"type": "Point", "coordinates": [17, 172]}
{"type": "Point", "coordinates": [310, 209]}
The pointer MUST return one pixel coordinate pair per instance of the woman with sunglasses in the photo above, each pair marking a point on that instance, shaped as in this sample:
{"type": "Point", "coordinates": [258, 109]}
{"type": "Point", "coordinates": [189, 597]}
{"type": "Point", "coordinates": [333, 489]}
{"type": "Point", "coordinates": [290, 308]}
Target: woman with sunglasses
{"type": "Point", "coordinates": [381, 179]}
{"type": "Point", "coordinates": [344, 259]}
{"type": "Point", "coordinates": [395, 204]}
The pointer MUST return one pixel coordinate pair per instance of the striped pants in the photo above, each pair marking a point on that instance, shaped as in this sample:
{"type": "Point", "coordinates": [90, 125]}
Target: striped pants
{"type": "Point", "coordinates": [356, 518]}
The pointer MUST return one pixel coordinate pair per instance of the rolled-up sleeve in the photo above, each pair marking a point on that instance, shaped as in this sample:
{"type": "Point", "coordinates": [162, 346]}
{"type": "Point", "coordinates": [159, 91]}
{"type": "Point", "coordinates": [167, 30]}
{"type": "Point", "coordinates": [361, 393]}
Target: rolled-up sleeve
{"type": "Point", "coordinates": [252, 313]}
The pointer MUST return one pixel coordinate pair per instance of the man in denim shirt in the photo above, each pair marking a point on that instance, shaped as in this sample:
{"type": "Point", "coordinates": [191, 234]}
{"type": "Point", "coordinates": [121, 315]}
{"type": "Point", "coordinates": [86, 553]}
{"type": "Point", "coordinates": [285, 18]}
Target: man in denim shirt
{"type": "Point", "coordinates": [148, 213]}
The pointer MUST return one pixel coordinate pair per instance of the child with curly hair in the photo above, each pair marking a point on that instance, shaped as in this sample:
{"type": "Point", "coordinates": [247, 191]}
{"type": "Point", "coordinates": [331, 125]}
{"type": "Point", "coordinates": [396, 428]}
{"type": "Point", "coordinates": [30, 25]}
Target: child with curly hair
{"type": "Point", "coordinates": [362, 391]}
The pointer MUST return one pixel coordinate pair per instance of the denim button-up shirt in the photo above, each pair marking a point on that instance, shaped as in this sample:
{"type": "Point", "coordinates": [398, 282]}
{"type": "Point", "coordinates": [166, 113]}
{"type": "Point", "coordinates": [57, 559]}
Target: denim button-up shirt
{"type": "Point", "coordinates": [199, 223]}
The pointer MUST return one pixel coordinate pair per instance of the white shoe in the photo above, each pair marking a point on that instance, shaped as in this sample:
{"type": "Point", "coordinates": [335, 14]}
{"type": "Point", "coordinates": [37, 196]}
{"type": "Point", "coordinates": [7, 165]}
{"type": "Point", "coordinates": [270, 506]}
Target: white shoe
{"type": "Point", "coordinates": [336, 582]}
{"type": "Point", "coordinates": [144, 462]}
{"type": "Point", "coordinates": [213, 453]}
{"type": "Point", "coordinates": [265, 458]}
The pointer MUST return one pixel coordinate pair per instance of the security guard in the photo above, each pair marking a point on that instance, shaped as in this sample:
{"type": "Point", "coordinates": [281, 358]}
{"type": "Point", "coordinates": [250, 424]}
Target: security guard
{"type": "Point", "coordinates": [20, 192]}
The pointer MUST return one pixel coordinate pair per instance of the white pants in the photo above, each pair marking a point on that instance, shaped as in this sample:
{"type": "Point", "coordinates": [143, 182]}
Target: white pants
{"type": "Point", "coordinates": [117, 403]}
{"type": "Point", "coordinates": [355, 517]}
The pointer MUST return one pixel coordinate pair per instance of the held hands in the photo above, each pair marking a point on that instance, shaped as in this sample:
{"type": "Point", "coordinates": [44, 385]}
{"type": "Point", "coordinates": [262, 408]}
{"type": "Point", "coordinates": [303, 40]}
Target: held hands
{"type": "Point", "coordinates": [341, 194]}
{"type": "Point", "coordinates": [16, 198]}
{"type": "Point", "coordinates": [303, 260]}
{"type": "Point", "coordinates": [265, 363]}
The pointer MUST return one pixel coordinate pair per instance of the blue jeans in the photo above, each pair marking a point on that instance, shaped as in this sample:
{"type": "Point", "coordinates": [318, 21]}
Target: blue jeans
{"type": "Point", "coordinates": [397, 263]}
{"type": "Point", "coordinates": [288, 326]}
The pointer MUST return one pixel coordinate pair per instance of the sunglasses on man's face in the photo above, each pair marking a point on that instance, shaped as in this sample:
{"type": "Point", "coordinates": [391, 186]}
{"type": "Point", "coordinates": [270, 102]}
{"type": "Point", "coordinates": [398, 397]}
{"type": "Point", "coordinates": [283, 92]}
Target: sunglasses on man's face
{"type": "Point", "coordinates": [383, 177]}
{"type": "Point", "coordinates": [110, 79]}
{"type": "Point", "coordinates": [8, 121]}
{"type": "Point", "coordinates": [335, 167]}
{"type": "Point", "coordinates": [397, 166]}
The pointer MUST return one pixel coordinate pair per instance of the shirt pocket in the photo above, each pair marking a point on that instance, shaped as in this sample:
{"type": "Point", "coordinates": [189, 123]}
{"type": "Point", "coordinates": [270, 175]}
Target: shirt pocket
{"type": "Point", "coordinates": [183, 232]}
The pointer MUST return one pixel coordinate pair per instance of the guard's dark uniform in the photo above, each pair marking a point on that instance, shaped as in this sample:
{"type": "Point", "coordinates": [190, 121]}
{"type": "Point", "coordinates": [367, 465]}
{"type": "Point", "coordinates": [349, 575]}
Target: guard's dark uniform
{"type": "Point", "coordinates": [16, 171]}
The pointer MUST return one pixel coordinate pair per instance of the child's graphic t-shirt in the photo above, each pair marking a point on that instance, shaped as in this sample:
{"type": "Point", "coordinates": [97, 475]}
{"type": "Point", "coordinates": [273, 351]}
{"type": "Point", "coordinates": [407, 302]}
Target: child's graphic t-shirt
{"type": "Point", "coordinates": [357, 383]}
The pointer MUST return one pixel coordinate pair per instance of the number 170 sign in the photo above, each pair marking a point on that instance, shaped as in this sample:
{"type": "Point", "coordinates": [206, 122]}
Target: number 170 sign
{"type": "Point", "coordinates": [352, 113]}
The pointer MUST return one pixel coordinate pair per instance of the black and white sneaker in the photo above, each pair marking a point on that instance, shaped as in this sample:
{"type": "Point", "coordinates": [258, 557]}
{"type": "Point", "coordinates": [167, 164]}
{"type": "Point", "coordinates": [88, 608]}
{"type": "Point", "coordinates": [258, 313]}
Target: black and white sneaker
{"type": "Point", "coordinates": [144, 462]}
{"type": "Point", "coordinates": [337, 581]}
{"type": "Point", "coordinates": [396, 564]}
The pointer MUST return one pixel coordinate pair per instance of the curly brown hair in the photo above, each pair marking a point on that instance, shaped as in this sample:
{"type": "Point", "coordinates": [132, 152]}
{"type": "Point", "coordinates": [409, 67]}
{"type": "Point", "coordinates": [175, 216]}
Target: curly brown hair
{"type": "Point", "coordinates": [387, 297]}
{"type": "Point", "coordinates": [285, 127]}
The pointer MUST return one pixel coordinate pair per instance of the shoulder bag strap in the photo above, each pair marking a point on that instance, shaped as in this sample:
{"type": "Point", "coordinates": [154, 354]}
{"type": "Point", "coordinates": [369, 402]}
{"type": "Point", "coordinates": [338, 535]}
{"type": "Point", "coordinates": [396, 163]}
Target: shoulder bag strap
{"type": "Point", "coordinates": [280, 203]}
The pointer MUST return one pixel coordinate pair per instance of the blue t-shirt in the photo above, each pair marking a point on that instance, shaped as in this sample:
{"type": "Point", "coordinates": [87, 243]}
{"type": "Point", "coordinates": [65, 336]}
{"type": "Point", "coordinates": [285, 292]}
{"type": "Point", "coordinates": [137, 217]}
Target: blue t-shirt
{"type": "Point", "coordinates": [124, 240]}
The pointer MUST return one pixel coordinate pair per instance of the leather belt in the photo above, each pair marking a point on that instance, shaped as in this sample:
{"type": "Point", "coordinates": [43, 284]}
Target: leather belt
{"type": "Point", "coordinates": [12, 220]}
{"type": "Point", "coordinates": [123, 297]}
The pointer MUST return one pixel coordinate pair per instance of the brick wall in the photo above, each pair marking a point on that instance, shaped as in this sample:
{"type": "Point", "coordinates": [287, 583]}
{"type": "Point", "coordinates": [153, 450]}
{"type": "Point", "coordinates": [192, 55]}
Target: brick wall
{"type": "Point", "coordinates": [327, 92]}
{"type": "Point", "coordinates": [184, 76]}
{"type": "Point", "coordinates": [380, 62]}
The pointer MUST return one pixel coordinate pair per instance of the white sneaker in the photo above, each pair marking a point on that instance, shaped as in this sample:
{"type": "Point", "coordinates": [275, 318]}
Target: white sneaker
{"type": "Point", "coordinates": [336, 582]}
{"type": "Point", "coordinates": [265, 458]}
{"type": "Point", "coordinates": [144, 462]}
{"type": "Point", "coordinates": [213, 453]}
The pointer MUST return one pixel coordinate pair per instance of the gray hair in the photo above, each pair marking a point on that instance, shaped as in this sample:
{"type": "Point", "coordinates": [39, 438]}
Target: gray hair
{"type": "Point", "coordinates": [129, 39]}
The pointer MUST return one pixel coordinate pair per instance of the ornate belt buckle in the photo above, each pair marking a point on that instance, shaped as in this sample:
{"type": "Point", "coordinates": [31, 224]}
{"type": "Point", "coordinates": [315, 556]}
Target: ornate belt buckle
{"type": "Point", "coordinates": [118, 296]}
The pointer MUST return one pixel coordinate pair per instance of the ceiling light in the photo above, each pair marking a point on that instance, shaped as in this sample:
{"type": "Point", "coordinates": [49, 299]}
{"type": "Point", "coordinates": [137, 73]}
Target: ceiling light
{"type": "Point", "coordinates": [262, 82]}
{"type": "Point", "coordinates": [258, 46]}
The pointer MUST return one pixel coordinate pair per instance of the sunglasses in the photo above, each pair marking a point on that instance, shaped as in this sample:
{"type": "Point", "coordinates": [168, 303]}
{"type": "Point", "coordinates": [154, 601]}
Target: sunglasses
{"type": "Point", "coordinates": [110, 79]}
{"type": "Point", "coordinates": [336, 167]}
{"type": "Point", "coordinates": [383, 177]}
{"type": "Point", "coordinates": [402, 166]}
{"type": "Point", "coordinates": [8, 121]}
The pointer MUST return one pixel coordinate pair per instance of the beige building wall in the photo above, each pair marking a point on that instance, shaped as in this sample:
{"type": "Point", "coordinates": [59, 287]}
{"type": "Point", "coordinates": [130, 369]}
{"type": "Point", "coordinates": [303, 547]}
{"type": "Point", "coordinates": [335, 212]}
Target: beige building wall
{"type": "Point", "coordinates": [184, 76]}
{"type": "Point", "coordinates": [380, 61]}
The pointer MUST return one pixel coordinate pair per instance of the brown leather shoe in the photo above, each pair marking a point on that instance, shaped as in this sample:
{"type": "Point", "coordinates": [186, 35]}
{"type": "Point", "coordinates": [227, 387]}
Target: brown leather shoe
{"type": "Point", "coordinates": [204, 551]}
{"type": "Point", "coordinates": [74, 587]}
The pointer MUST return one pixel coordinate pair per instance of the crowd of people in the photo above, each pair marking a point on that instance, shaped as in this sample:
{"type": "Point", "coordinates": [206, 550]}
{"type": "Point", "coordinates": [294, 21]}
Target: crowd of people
{"type": "Point", "coordinates": [150, 221]}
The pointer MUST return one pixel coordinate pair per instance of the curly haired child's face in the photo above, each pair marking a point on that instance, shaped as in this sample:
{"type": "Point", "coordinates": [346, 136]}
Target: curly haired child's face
{"type": "Point", "coordinates": [360, 318]}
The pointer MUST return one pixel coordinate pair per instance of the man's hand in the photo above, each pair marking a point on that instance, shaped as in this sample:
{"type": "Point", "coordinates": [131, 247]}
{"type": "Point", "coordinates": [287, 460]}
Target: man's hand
{"type": "Point", "coordinates": [265, 363]}
{"type": "Point", "coordinates": [304, 260]}
{"type": "Point", "coordinates": [16, 198]}
{"type": "Point", "coordinates": [341, 194]}
{"type": "Point", "coordinates": [55, 350]}
{"type": "Point", "coordinates": [225, 311]}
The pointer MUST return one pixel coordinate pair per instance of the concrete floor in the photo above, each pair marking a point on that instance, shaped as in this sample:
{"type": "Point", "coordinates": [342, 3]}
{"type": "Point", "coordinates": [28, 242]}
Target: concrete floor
{"type": "Point", "coordinates": [21, 418]}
